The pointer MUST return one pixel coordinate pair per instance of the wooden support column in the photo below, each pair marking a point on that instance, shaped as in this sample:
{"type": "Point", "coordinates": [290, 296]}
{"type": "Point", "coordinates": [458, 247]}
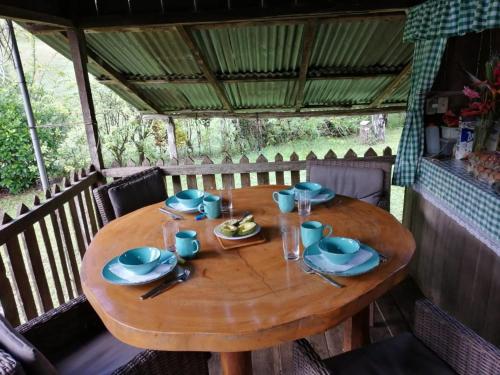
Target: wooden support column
{"type": "Point", "coordinates": [387, 91]}
{"type": "Point", "coordinates": [357, 330]}
{"type": "Point", "coordinates": [77, 44]}
{"type": "Point", "coordinates": [172, 143]}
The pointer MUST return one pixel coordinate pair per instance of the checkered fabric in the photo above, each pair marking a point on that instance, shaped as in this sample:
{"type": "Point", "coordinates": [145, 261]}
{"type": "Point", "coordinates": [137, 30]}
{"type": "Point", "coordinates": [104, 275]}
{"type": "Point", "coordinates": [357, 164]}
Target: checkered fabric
{"type": "Point", "coordinates": [429, 25]}
{"type": "Point", "coordinates": [472, 199]}
{"type": "Point", "coordinates": [445, 18]}
{"type": "Point", "coordinates": [426, 60]}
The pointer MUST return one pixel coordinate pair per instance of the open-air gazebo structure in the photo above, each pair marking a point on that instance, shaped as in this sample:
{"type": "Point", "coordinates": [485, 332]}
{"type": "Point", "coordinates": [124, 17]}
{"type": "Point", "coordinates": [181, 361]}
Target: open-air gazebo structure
{"type": "Point", "coordinates": [255, 59]}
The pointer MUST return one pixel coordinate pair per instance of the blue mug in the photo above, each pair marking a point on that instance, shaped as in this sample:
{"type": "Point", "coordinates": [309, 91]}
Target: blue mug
{"type": "Point", "coordinates": [211, 206]}
{"type": "Point", "coordinates": [186, 244]}
{"type": "Point", "coordinates": [313, 231]}
{"type": "Point", "coordinates": [285, 200]}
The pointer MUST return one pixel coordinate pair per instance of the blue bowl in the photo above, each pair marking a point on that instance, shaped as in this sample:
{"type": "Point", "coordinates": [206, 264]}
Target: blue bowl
{"type": "Point", "coordinates": [338, 250]}
{"type": "Point", "coordinates": [140, 260]}
{"type": "Point", "coordinates": [190, 198]}
{"type": "Point", "coordinates": [311, 187]}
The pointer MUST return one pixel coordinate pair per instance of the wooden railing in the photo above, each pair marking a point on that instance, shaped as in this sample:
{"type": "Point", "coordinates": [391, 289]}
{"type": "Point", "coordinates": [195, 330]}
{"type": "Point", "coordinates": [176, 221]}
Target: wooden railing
{"type": "Point", "coordinates": [41, 249]}
{"type": "Point", "coordinates": [207, 175]}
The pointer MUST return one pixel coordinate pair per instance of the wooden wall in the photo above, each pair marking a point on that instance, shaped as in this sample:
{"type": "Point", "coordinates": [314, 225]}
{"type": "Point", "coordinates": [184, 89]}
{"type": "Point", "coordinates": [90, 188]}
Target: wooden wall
{"type": "Point", "coordinates": [453, 268]}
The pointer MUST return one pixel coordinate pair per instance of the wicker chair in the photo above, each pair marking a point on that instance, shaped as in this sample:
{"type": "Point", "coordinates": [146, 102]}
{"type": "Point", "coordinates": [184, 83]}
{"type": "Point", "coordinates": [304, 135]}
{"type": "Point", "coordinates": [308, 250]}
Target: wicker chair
{"type": "Point", "coordinates": [439, 345]}
{"type": "Point", "coordinates": [326, 171]}
{"type": "Point", "coordinates": [68, 336]}
{"type": "Point", "coordinates": [103, 201]}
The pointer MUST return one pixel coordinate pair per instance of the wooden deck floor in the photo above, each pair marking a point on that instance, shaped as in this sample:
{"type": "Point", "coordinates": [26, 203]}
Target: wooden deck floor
{"type": "Point", "coordinates": [392, 315]}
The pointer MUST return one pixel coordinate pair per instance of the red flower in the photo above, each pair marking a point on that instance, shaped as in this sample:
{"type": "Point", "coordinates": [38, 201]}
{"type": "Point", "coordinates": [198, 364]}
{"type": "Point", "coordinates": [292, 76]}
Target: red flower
{"type": "Point", "coordinates": [470, 93]}
{"type": "Point", "coordinates": [450, 119]}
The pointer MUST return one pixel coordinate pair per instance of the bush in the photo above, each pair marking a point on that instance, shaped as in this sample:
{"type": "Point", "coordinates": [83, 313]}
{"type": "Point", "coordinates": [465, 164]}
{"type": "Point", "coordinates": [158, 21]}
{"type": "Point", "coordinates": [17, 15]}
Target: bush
{"type": "Point", "coordinates": [18, 170]}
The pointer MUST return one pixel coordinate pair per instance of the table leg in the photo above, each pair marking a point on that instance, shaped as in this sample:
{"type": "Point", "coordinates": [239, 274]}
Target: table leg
{"type": "Point", "coordinates": [357, 330]}
{"type": "Point", "coordinates": [236, 363]}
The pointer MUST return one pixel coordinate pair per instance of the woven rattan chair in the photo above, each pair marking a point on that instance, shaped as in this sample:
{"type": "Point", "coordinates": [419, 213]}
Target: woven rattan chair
{"type": "Point", "coordinates": [150, 176]}
{"type": "Point", "coordinates": [74, 340]}
{"type": "Point", "coordinates": [438, 345]}
{"type": "Point", "coordinates": [335, 174]}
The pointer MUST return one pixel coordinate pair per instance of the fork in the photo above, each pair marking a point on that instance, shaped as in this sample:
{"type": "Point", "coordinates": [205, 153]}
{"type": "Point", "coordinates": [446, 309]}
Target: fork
{"type": "Point", "coordinates": [309, 270]}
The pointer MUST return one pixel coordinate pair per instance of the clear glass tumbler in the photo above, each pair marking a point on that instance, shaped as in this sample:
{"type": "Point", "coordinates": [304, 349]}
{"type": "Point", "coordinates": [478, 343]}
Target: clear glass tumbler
{"type": "Point", "coordinates": [226, 196]}
{"type": "Point", "coordinates": [290, 237]}
{"type": "Point", "coordinates": [170, 229]}
{"type": "Point", "coordinates": [304, 203]}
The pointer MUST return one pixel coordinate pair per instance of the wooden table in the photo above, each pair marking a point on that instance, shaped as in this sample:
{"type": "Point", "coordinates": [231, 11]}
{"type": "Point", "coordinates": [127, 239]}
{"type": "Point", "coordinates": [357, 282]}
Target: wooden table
{"type": "Point", "coordinates": [246, 299]}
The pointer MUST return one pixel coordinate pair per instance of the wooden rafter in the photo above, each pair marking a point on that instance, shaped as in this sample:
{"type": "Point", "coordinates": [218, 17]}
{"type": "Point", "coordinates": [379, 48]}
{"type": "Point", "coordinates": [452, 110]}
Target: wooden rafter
{"type": "Point", "coordinates": [23, 14]}
{"type": "Point", "coordinates": [284, 112]}
{"type": "Point", "coordinates": [251, 79]}
{"type": "Point", "coordinates": [118, 78]}
{"type": "Point", "coordinates": [307, 47]}
{"type": "Point", "coordinates": [205, 67]}
{"type": "Point", "coordinates": [391, 87]}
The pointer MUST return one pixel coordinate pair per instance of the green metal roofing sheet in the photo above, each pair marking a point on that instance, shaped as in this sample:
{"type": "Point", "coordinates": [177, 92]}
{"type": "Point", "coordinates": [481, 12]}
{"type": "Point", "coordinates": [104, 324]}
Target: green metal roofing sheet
{"type": "Point", "coordinates": [361, 44]}
{"type": "Point", "coordinates": [186, 96]}
{"type": "Point", "coordinates": [147, 53]}
{"type": "Point", "coordinates": [343, 92]}
{"type": "Point", "coordinates": [267, 48]}
{"type": "Point", "coordinates": [262, 94]}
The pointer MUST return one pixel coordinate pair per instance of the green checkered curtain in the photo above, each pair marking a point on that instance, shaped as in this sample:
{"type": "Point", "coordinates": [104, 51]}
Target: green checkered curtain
{"type": "Point", "coordinates": [429, 25]}
{"type": "Point", "coordinates": [426, 60]}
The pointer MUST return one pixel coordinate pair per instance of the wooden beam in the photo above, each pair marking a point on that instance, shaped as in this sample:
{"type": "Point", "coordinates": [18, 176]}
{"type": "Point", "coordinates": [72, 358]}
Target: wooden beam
{"type": "Point", "coordinates": [307, 47]}
{"type": "Point", "coordinates": [286, 77]}
{"type": "Point", "coordinates": [291, 12]}
{"type": "Point", "coordinates": [394, 16]}
{"type": "Point", "coordinates": [23, 14]}
{"type": "Point", "coordinates": [285, 112]}
{"type": "Point", "coordinates": [391, 87]}
{"type": "Point", "coordinates": [118, 78]}
{"type": "Point", "coordinates": [204, 66]}
{"type": "Point", "coordinates": [77, 46]}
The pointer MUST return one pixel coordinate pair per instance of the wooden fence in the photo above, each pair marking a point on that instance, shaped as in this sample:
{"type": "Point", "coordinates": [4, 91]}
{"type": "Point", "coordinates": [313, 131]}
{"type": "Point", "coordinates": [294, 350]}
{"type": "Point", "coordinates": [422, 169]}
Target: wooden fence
{"type": "Point", "coordinates": [41, 249]}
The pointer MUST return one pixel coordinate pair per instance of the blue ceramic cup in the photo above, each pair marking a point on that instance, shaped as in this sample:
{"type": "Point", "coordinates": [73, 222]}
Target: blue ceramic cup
{"type": "Point", "coordinates": [311, 188]}
{"type": "Point", "coordinates": [190, 198]}
{"type": "Point", "coordinates": [338, 250]}
{"type": "Point", "coordinates": [186, 244]}
{"type": "Point", "coordinates": [285, 200]}
{"type": "Point", "coordinates": [313, 231]}
{"type": "Point", "coordinates": [140, 260]}
{"type": "Point", "coordinates": [211, 206]}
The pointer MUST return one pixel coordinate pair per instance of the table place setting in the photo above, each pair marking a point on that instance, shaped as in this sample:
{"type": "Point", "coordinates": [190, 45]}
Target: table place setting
{"type": "Point", "coordinates": [303, 195]}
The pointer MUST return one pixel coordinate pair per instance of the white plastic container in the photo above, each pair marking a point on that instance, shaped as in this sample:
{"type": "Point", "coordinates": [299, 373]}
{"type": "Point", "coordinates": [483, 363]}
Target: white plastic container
{"type": "Point", "coordinates": [432, 140]}
{"type": "Point", "coordinates": [450, 133]}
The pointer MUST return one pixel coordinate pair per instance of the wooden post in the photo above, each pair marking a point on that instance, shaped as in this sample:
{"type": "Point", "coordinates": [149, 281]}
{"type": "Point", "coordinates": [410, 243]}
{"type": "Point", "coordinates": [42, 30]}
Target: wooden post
{"type": "Point", "coordinates": [357, 330]}
{"type": "Point", "coordinates": [172, 144]}
{"type": "Point", "coordinates": [77, 45]}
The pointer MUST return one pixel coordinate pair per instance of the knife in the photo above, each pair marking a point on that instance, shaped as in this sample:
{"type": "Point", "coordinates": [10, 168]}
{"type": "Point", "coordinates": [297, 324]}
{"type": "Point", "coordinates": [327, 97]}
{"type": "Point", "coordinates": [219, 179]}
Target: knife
{"type": "Point", "coordinates": [165, 283]}
{"type": "Point", "coordinates": [171, 214]}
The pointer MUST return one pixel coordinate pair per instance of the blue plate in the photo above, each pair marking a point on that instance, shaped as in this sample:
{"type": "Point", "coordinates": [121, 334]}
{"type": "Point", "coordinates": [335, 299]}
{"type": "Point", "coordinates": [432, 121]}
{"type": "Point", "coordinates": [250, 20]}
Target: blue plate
{"type": "Point", "coordinates": [328, 196]}
{"type": "Point", "coordinates": [175, 205]}
{"type": "Point", "coordinates": [168, 262]}
{"type": "Point", "coordinates": [360, 269]}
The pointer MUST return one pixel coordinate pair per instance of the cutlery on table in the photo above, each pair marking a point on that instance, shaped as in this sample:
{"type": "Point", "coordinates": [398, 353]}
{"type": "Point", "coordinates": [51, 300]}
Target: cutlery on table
{"type": "Point", "coordinates": [245, 214]}
{"type": "Point", "coordinates": [173, 215]}
{"type": "Point", "coordinates": [309, 270]}
{"type": "Point", "coordinates": [182, 275]}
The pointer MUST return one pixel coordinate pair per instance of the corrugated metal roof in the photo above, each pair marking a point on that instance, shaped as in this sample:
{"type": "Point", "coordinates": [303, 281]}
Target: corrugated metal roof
{"type": "Point", "coordinates": [358, 45]}
{"type": "Point", "coordinates": [262, 94]}
{"type": "Point", "coordinates": [148, 53]}
{"type": "Point", "coordinates": [170, 97]}
{"type": "Point", "coordinates": [268, 48]}
{"type": "Point", "coordinates": [343, 92]}
{"type": "Point", "coordinates": [257, 52]}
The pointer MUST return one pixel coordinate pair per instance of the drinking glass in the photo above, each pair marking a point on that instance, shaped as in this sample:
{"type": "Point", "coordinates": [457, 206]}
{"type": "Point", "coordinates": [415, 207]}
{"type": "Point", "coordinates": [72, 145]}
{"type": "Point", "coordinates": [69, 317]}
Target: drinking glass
{"type": "Point", "coordinates": [226, 196]}
{"type": "Point", "coordinates": [290, 238]}
{"type": "Point", "coordinates": [169, 230]}
{"type": "Point", "coordinates": [304, 203]}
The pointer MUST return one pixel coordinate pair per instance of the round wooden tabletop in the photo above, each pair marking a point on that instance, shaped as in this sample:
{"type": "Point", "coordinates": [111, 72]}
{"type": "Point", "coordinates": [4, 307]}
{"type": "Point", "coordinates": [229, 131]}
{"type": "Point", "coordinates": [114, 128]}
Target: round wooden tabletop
{"type": "Point", "coordinates": [247, 298]}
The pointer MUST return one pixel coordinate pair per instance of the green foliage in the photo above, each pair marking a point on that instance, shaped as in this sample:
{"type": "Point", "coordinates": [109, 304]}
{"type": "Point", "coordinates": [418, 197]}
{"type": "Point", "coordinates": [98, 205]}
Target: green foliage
{"type": "Point", "coordinates": [18, 169]}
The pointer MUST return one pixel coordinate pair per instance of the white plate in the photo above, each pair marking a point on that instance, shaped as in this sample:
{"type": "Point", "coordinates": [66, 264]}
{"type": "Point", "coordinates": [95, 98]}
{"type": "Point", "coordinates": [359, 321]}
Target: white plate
{"type": "Point", "coordinates": [220, 235]}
